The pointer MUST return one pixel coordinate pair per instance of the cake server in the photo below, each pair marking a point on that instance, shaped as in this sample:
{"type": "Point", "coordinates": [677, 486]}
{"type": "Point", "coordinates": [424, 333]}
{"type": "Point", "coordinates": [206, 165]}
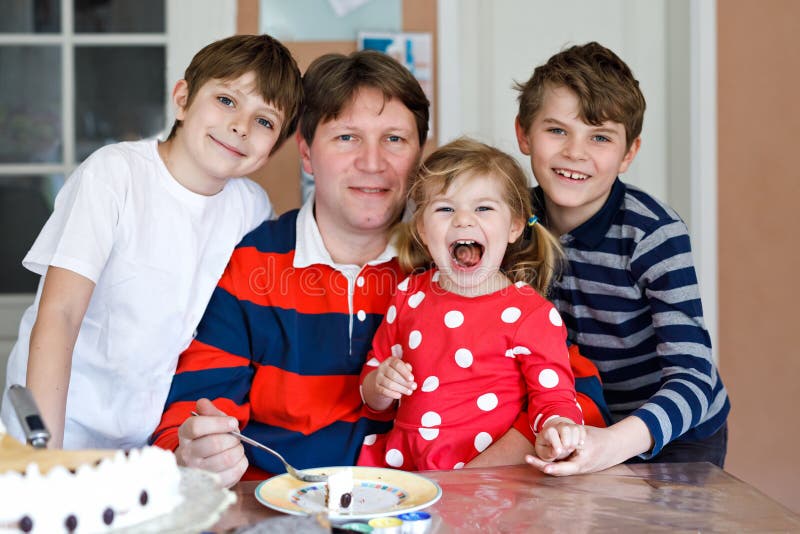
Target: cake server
{"type": "Point", "coordinates": [300, 475]}
{"type": "Point", "coordinates": [36, 433]}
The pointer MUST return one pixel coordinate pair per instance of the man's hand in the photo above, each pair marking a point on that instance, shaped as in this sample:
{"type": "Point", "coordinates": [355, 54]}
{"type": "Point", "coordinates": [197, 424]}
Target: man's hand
{"type": "Point", "coordinates": [559, 438]}
{"type": "Point", "coordinates": [204, 443]}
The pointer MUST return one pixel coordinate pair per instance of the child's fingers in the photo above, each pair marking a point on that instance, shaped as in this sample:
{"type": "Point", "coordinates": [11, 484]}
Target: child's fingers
{"type": "Point", "coordinates": [393, 375]}
{"type": "Point", "coordinates": [402, 368]}
{"type": "Point", "coordinates": [552, 437]}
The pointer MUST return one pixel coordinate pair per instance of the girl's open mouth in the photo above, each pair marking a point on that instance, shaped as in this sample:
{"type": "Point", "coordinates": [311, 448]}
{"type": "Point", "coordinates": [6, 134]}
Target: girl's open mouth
{"type": "Point", "coordinates": [466, 253]}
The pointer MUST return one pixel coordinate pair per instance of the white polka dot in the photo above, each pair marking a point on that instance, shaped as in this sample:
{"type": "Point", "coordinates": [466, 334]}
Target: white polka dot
{"type": "Point", "coordinates": [391, 314]}
{"type": "Point", "coordinates": [362, 315]}
{"type": "Point", "coordinates": [435, 277]}
{"type": "Point", "coordinates": [453, 319]}
{"type": "Point", "coordinates": [459, 465]}
{"type": "Point", "coordinates": [431, 419]}
{"type": "Point", "coordinates": [521, 284]}
{"type": "Point", "coordinates": [548, 378]}
{"type": "Point", "coordinates": [373, 362]}
{"type": "Point", "coordinates": [510, 314]}
{"type": "Point", "coordinates": [429, 433]}
{"type": "Point", "coordinates": [397, 351]}
{"type": "Point", "coordinates": [415, 299]}
{"type": "Point", "coordinates": [487, 402]}
{"type": "Point", "coordinates": [463, 358]}
{"type": "Point", "coordinates": [414, 339]}
{"type": "Point", "coordinates": [370, 440]}
{"type": "Point", "coordinates": [482, 440]}
{"type": "Point", "coordinates": [403, 286]}
{"type": "Point", "coordinates": [555, 318]}
{"type": "Point", "coordinates": [430, 384]}
{"type": "Point", "coordinates": [360, 281]}
{"type": "Point", "coordinates": [510, 353]}
{"type": "Point", "coordinates": [521, 350]}
{"type": "Point", "coordinates": [394, 457]}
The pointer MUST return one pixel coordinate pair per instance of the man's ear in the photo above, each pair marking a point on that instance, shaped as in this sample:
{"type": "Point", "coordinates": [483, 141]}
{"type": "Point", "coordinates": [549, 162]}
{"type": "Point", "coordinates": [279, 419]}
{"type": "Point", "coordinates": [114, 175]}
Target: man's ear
{"type": "Point", "coordinates": [180, 97]}
{"type": "Point", "coordinates": [305, 152]}
{"type": "Point", "coordinates": [522, 137]}
{"type": "Point", "coordinates": [632, 151]}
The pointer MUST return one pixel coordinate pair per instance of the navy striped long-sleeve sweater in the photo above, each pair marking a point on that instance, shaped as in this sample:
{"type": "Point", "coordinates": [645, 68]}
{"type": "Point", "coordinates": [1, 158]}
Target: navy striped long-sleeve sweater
{"type": "Point", "coordinates": [630, 300]}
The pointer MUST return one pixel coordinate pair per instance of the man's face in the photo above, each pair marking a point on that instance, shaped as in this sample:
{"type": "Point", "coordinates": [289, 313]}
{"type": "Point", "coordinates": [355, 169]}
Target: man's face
{"type": "Point", "coordinates": [228, 131]}
{"type": "Point", "coordinates": [574, 162]}
{"type": "Point", "coordinates": [361, 161]}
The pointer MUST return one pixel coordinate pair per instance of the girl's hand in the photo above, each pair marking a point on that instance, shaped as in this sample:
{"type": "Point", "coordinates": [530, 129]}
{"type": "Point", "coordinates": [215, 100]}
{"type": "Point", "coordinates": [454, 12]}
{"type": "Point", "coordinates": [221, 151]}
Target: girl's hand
{"type": "Point", "coordinates": [393, 378]}
{"type": "Point", "coordinates": [559, 438]}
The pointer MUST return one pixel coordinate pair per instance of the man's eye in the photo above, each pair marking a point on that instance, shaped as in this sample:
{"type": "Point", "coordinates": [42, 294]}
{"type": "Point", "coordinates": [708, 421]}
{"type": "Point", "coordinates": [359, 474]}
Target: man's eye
{"type": "Point", "coordinates": [345, 137]}
{"type": "Point", "coordinates": [265, 123]}
{"type": "Point", "coordinates": [225, 101]}
{"type": "Point", "coordinates": [394, 138]}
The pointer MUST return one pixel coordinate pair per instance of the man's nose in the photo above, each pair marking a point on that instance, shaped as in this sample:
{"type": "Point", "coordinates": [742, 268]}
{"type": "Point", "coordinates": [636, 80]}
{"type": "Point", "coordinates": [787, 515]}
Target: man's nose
{"type": "Point", "coordinates": [370, 157]}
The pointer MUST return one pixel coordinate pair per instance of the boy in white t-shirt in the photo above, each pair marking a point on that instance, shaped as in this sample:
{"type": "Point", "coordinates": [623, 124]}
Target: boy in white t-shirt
{"type": "Point", "coordinates": [139, 236]}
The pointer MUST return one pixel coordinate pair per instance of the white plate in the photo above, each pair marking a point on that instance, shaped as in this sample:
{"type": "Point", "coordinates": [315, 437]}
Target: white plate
{"type": "Point", "coordinates": [377, 492]}
{"type": "Point", "coordinates": [203, 503]}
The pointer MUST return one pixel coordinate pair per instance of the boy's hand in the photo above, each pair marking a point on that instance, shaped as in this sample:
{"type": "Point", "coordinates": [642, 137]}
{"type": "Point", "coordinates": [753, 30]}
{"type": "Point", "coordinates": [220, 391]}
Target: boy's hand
{"type": "Point", "coordinates": [204, 443]}
{"type": "Point", "coordinates": [393, 378]}
{"type": "Point", "coordinates": [559, 438]}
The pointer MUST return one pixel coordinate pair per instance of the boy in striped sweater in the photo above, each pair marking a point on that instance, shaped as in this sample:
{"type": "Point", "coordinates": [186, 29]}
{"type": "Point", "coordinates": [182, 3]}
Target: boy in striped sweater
{"type": "Point", "coordinates": [629, 293]}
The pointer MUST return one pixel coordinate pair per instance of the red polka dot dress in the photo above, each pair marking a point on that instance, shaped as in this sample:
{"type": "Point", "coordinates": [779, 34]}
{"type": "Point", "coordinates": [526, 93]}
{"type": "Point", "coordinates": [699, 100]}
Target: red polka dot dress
{"type": "Point", "coordinates": [477, 363]}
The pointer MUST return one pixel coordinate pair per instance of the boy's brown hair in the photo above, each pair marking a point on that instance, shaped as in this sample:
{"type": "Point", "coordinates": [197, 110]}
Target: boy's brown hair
{"type": "Point", "coordinates": [332, 80]}
{"type": "Point", "coordinates": [603, 83]}
{"type": "Point", "coordinates": [535, 257]}
{"type": "Point", "coordinates": [278, 79]}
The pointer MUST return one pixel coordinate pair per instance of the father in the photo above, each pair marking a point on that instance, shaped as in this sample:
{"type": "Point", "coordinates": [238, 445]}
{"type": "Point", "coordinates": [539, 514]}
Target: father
{"type": "Point", "coordinates": [283, 340]}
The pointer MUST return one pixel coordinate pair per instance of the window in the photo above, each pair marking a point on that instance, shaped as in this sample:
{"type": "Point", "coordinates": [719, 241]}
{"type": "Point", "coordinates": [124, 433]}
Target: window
{"type": "Point", "coordinates": [76, 75]}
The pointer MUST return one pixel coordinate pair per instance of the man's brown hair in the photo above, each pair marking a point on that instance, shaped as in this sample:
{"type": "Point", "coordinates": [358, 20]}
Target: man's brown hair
{"type": "Point", "coordinates": [277, 76]}
{"type": "Point", "coordinates": [332, 80]}
{"type": "Point", "coordinates": [603, 83]}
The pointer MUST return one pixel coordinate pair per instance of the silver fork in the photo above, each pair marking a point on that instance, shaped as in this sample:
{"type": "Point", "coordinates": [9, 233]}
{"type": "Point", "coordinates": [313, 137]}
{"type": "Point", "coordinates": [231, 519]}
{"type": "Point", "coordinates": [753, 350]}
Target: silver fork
{"type": "Point", "coordinates": [300, 475]}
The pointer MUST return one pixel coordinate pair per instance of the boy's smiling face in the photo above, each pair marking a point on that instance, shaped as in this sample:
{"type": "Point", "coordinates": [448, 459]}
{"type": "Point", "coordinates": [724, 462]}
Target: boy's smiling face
{"type": "Point", "coordinates": [575, 163]}
{"type": "Point", "coordinates": [227, 131]}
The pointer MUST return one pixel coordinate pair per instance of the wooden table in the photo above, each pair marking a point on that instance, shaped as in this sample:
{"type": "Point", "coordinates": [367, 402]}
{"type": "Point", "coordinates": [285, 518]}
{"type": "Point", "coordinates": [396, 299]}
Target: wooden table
{"type": "Point", "coordinates": [632, 498]}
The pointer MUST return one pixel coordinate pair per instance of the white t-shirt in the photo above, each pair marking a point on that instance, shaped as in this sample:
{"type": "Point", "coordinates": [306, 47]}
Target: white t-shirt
{"type": "Point", "coordinates": [155, 251]}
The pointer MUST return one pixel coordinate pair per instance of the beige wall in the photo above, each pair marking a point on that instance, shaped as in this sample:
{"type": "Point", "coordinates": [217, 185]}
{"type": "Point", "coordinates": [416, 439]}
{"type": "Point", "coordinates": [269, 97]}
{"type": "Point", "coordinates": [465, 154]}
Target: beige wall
{"type": "Point", "coordinates": [759, 257]}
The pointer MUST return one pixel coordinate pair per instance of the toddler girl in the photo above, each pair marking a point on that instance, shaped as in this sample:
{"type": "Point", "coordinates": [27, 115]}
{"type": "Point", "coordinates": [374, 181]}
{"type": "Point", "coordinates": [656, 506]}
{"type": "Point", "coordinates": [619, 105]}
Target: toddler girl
{"type": "Point", "coordinates": [469, 339]}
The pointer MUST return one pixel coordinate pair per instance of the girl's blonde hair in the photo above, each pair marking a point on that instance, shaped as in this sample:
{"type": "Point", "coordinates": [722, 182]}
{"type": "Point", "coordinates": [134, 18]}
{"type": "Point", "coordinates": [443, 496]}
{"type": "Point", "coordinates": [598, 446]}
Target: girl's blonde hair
{"type": "Point", "coordinates": [535, 257]}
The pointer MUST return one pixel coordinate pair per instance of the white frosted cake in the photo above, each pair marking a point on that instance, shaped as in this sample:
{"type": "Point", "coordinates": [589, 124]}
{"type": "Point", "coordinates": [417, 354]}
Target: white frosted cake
{"type": "Point", "coordinates": [55, 491]}
{"type": "Point", "coordinates": [339, 491]}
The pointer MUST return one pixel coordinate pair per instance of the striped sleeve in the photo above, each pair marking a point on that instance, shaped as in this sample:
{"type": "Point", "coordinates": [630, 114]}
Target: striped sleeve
{"type": "Point", "coordinates": [662, 266]}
